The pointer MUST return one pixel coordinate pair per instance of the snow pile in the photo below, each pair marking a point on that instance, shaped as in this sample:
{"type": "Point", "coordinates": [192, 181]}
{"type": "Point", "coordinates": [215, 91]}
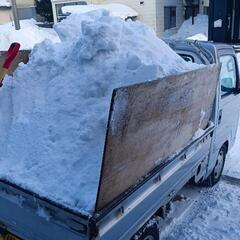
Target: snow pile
{"type": "Point", "coordinates": [198, 31]}
{"type": "Point", "coordinates": [4, 3]}
{"type": "Point", "coordinates": [29, 35]}
{"type": "Point", "coordinates": [115, 9]}
{"type": "Point", "coordinates": [54, 110]}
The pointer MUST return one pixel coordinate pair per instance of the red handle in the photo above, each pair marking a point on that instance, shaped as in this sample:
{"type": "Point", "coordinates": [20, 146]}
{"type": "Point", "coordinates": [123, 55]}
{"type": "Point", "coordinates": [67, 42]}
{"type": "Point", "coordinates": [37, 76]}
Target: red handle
{"type": "Point", "coordinates": [11, 54]}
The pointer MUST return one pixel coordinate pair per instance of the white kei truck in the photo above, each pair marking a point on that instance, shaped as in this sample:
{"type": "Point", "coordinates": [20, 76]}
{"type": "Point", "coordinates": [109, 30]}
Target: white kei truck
{"type": "Point", "coordinates": [172, 130]}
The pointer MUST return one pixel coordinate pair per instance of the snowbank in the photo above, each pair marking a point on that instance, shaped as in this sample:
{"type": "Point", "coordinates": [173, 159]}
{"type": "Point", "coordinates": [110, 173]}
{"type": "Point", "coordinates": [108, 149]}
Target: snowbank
{"type": "Point", "coordinates": [198, 31]}
{"type": "Point", "coordinates": [4, 3]}
{"type": "Point", "coordinates": [115, 9]}
{"type": "Point", "coordinates": [29, 35]}
{"type": "Point", "coordinates": [54, 110]}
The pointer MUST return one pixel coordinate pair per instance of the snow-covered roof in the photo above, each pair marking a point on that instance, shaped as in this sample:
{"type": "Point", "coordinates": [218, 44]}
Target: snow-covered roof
{"type": "Point", "coordinates": [29, 35]}
{"type": "Point", "coordinates": [4, 3]}
{"type": "Point", "coordinates": [115, 9]}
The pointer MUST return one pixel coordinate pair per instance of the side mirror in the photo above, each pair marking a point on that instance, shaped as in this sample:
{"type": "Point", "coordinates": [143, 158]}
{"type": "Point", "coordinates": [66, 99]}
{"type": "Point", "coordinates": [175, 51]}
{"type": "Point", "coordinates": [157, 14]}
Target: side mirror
{"type": "Point", "coordinates": [227, 82]}
{"type": "Point", "coordinates": [227, 85]}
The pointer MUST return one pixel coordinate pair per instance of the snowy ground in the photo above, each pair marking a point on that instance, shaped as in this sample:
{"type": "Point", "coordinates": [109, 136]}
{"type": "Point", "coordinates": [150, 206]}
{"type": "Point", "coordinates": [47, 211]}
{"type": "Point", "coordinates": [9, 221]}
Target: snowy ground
{"type": "Point", "coordinates": [209, 214]}
{"type": "Point", "coordinates": [212, 214]}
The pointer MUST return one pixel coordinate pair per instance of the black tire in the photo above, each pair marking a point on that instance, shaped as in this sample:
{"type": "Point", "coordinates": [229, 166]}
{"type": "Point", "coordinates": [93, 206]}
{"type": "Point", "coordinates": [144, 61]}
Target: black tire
{"type": "Point", "coordinates": [148, 233]}
{"type": "Point", "coordinates": [216, 173]}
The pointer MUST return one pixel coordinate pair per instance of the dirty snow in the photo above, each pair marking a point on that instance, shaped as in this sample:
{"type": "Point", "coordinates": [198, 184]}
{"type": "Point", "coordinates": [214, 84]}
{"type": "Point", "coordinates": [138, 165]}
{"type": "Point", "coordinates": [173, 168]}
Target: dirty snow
{"type": "Point", "coordinates": [198, 31]}
{"type": "Point", "coordinates": [29, 34]}
{"type": "Point", "coordinates": [115, 9]}
{"type": "Point", "coordinates": [54, 110]}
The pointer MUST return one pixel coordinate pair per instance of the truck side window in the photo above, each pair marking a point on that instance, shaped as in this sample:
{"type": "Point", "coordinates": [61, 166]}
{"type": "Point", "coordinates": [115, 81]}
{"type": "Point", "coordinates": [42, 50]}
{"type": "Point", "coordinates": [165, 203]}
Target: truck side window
{"type": "Point", "coordinates": [228, 74]}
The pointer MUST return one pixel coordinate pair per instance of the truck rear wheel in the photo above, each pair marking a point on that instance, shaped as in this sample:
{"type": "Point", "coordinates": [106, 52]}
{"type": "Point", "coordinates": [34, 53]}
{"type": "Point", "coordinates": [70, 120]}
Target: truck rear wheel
{"type": "Point", "coordinates": [147, 233]}
{"type": "Point", "coordinates": [216, 174]}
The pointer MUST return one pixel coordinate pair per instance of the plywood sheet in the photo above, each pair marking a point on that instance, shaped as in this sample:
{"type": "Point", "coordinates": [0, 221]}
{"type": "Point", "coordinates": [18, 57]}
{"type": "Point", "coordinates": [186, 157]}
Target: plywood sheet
{"type": "Point", "coordinates": [150, 121]}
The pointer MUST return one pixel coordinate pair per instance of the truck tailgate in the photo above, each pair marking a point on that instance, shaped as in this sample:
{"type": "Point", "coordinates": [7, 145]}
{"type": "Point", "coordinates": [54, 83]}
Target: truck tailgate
{"type": "Point", "coordinates": [30, 217]}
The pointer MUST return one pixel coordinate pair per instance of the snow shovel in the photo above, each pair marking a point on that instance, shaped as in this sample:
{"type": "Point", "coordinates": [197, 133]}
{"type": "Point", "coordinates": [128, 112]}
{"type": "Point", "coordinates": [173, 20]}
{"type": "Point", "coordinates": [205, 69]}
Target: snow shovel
{"type": "Point", "coordinates": [11, 55]}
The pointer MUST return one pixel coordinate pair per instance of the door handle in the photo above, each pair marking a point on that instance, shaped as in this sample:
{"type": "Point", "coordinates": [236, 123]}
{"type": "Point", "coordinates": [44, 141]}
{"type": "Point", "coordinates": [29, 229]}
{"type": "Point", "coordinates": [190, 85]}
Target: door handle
{"type": "Point", "coordinates": [220, 117]}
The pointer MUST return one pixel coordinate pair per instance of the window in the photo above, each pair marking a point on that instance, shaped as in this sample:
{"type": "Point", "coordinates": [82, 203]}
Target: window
{"type": "Point", "coordinates": [228, 74]}
{"type": "Point", "coordinates": [169, 17]}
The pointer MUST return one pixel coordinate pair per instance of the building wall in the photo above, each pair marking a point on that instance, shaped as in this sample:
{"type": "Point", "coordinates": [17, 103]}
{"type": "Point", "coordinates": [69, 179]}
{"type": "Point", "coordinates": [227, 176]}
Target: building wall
{"type": "Point", "coordinates": [25, 3]}
{"type": "Point", "coordinates": [152, 11]}
{"type": "Point", "coordinates": [5, 16]}
{"type": "Point", "coordinates": [26, 9]}
{"type": "Point", "coordinates": [146, 11]}
{"type": "Point", "coordinates": [160, 4]}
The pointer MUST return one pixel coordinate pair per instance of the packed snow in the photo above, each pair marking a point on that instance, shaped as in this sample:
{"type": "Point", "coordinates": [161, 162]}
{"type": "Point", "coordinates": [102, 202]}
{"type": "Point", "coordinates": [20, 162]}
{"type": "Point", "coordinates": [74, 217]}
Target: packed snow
{"type": "Point", "coordinates": [4, 3]}
{"type": "Point", "coordinates": [115, 9]}
{"type": "Point", "coordinates": [29, 35]}
{"type": "Point", "coordinates": [196, 31]}
{"type": "Point", "coordinates": [54, 110]}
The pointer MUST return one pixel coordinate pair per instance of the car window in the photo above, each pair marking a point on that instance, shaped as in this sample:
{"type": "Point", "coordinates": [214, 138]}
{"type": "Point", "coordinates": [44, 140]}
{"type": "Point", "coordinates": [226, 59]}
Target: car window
{"type": "Point", "coordinates": [228, 74]}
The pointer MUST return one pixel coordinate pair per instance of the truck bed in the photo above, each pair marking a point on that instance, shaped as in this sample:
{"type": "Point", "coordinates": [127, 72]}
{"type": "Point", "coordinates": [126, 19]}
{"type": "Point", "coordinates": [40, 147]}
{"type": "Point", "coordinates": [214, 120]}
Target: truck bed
{"type": "Point", "coordinates": [30, 216]}
{"type": "Point", "coordinates": [148, 174]}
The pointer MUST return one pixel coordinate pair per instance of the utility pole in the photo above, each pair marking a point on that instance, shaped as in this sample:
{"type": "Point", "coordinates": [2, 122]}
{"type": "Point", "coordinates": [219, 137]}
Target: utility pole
{"type": "Point", "coordinates": [193, 11]}
{"type": "Point", "coordinates": [15, 15]}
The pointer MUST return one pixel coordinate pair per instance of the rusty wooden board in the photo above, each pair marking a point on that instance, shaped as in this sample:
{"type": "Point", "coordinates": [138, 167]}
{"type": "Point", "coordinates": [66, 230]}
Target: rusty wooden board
{"type": "Point", "coordinates": [149, 122]}
{"type": "Point", "coordinates": [23, 56]}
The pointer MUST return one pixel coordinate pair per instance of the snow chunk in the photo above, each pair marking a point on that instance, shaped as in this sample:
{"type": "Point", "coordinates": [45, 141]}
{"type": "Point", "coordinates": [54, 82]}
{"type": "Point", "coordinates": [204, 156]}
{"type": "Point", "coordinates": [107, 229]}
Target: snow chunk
{"type": "Point", "coordinates": [115, 9]}
{"type": "Point", "coordinates": [29, 35]}
{"type": "Point", "coordinates": [54, 110]}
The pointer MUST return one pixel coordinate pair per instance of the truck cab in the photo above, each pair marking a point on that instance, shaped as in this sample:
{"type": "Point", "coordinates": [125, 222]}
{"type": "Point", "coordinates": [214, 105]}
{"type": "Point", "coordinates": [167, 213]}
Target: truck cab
{"type": "Point", "coordinates": [228, 107]}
